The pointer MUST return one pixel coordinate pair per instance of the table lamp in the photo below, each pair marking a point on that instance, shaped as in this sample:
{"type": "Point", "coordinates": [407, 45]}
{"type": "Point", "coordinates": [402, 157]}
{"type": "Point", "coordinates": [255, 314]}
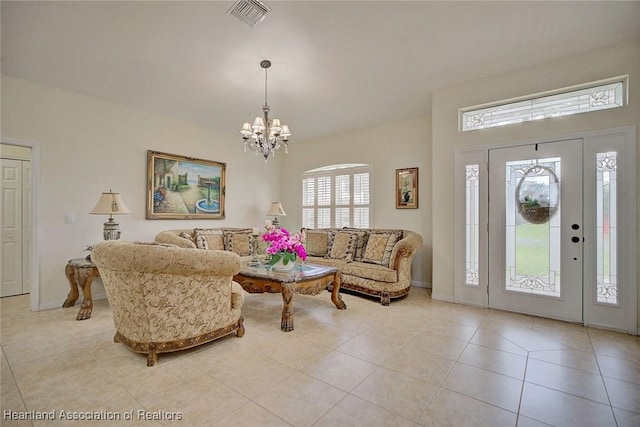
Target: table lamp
{"type": "Point", "coordinates": [110, 204]}
{"type": "Point", "coordinates": [276, 210]}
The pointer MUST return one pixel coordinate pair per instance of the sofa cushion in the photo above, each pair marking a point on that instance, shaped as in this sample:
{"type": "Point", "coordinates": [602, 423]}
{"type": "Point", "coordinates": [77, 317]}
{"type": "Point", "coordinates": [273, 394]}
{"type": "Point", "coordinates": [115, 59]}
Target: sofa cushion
{"type": "Point", "coordinates": [343, 245]}
{"type": "Point", "coordinates": [317, 242]}
{"type": "Point", "coordinates": [361, 241]}
{"type": "Point", "coordinates": [380, 245]}
{"type": "Point", "coordinates": [374, 272]}
{"type": "Point", "coordinates": [239, 241]}
{"type": "Point", "coordinates": [366, 271]}
{"type": "Point", "coordinates": [208, 238]}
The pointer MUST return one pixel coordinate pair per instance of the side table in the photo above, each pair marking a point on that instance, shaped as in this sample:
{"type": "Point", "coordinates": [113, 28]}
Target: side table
{"type": "Point", "coordinates": [80, 272]}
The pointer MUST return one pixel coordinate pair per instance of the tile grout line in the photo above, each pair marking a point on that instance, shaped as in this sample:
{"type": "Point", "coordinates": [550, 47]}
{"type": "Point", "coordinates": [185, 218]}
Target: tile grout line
{"type": "Point", "coordinates": [606, 390]}
{"type": "Point", "coordinates": [524, 377]}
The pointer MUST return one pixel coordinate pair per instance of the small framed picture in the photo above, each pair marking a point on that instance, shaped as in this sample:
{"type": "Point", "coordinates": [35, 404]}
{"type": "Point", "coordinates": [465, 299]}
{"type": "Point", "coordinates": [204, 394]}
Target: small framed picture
{"type": "Point", "coordinates": [407, 188]}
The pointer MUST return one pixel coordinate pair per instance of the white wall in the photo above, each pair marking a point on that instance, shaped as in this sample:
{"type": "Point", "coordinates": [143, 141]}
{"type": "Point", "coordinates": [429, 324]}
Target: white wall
{"type": "Point", "coordinates": [89, 145]}
{"type": "Point", "coordinates": [603, 63]}
{"type": "Point", "coordinates": [386, 147]}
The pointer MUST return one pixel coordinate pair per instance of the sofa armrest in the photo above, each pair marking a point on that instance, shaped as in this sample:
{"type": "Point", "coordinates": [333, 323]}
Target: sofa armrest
{"type": "Point", "coordinates": [173, 237]}
{"type": "Point", "coordinates": [405, 248]}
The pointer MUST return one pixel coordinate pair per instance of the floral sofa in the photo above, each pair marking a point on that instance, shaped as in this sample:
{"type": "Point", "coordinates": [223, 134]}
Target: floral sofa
{"type": "Point", "coordinates": [374, 262]}
{"type": "Point", "coordinates": [166, 298]}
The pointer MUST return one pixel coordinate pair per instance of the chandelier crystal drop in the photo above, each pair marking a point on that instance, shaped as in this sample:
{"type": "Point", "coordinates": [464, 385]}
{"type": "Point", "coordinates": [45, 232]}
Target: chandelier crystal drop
{"type": "Point", "coordinates": [265, 136]}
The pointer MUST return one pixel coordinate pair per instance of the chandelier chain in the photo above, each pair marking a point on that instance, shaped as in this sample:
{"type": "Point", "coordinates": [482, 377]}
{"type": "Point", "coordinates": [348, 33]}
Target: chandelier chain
{"type": "Point", "coordinates": [265, 87]}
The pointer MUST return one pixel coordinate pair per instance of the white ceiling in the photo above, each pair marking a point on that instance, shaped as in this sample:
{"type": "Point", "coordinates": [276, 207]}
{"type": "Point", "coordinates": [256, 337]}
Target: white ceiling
{"type": "Point", "coordinates": [337, 65]}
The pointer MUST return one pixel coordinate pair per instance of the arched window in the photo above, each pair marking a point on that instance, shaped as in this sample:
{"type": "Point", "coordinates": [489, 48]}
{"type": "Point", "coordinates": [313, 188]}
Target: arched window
{"type": "Point", "coordinates": [337, 196]}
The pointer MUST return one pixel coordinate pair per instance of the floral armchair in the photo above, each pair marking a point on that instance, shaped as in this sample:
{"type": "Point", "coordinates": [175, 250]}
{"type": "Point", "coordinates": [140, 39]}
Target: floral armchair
{"type": "Point", "coordinates": [166, 298]}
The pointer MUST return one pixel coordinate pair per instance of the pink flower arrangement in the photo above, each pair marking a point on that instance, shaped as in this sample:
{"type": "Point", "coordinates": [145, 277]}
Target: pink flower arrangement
{"type": "Point", "coordinates": [284, 245]}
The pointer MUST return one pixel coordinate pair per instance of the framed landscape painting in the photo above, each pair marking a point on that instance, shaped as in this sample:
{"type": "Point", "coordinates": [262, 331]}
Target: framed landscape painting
{"type": "Point", "coordinates": [180, 187]}
{"type": "Point", "coordinates": [407, 188]}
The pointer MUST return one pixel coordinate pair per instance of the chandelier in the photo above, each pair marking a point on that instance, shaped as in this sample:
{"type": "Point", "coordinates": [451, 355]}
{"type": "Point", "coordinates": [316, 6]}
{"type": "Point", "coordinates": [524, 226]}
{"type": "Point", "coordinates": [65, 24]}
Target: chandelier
{"type": "Point", "coordinates": [265, 136]}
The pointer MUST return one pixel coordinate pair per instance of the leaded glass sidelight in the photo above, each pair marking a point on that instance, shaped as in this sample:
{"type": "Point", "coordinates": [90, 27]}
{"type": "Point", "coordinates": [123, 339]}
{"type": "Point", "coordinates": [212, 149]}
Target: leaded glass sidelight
{"type": "Point", "coordinates": [533, 247]}
{"type": "Point", "coordinates": [606, 228]}
{"type": "Point", "coordinates": [472, 220]}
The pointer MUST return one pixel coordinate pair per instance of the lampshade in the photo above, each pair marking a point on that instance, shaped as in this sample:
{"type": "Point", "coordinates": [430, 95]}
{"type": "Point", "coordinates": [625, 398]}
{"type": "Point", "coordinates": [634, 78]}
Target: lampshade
{"type": "Point", "coordinates": [246, 129]}
{"type": "Point", "coordinates": [276, 210]}
{"type": "Point", "coordinates": [110, 204]}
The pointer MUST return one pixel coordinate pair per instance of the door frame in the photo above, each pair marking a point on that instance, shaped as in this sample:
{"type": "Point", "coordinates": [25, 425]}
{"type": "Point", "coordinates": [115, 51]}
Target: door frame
{"type": "Point", "coordinates": [478, 295]}
{"type": "Point", "coordinates": [35, 197]}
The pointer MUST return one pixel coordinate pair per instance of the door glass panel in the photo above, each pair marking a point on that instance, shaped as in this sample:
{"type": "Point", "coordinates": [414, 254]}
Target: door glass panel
{"type": "Point", "coordinates": [472, 221]}
{"type": "Point", "coordinates": [533, 226]}
{"type": "Point", "coordinates": [606, 228]}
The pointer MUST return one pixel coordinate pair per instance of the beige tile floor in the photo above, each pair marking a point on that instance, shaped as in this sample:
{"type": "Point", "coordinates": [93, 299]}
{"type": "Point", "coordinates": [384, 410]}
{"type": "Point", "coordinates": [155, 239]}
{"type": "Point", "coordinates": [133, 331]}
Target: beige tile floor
{"type": "Point", "coordinates": [417, 362]}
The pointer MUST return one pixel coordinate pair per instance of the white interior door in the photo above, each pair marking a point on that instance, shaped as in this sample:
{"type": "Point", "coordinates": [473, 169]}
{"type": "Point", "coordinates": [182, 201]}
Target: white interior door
{"type": "Point", "coordinates": [536, 229]}
{"type": "Point", "coordinates": [11, 227]}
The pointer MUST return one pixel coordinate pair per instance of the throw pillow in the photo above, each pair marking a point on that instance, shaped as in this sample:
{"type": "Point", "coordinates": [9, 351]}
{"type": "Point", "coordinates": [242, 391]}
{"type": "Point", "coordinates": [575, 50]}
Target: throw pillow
{"type": "Point", "coordinates": [239, 241]}
{"type": "Point", "coordinates": [343, 245]}
{"type": "Point", "coordinates": [317, 242]}
{"type": "Point", "coordinates": [186, 235]}
{"type": "Point", "coordinates": [361, 242]}
{"type": "Point", "coordinates": [208, 238]}
{"type": "Point", "coordinates": [380, 245]}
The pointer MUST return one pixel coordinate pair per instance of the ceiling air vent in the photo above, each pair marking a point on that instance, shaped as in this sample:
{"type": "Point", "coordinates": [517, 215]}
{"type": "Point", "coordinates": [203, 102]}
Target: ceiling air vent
{"type": "Point", "coordinates": [251, 12]}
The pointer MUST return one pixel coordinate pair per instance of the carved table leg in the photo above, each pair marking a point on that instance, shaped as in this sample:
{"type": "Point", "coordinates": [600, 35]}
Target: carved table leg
{"type": "Point", "coordinates": [335, 293]}
{"type": "Point", "coordinates": [85, 278]}
{"type": "Point", "coordinates": [286, 323]}
{"type": "Point", "coordinates": [72, 297]}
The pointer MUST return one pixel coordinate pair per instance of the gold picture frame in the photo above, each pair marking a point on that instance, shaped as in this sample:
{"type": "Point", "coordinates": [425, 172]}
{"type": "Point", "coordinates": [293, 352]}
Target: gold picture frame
{"type": "Point", "coordinates": [180, 187]}
{"type": "Point", "coordinates": [407, 188]}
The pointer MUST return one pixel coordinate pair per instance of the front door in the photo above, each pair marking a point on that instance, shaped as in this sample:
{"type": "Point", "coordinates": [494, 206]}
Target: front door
{"type": "Point", "coordinates": [536, 229]}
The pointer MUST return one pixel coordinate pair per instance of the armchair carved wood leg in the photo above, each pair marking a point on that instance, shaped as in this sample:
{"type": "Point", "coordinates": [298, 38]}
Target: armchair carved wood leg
{"type": "Point", "coordinates": [286, 324]}
{"type": "Point", "coordinates": [240, 330]}
{"type": "Point", "coordinates": [152, 356]}
{"type": "Point", "coordinates": [385, 298]}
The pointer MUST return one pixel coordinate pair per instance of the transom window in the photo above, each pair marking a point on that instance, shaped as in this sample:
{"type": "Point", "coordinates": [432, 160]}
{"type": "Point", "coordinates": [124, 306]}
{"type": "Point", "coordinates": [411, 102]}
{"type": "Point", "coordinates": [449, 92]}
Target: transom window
{"type": "Point", "coordinates": [604, 94]}
{"type": "Point", "coordinates": [337, 196]}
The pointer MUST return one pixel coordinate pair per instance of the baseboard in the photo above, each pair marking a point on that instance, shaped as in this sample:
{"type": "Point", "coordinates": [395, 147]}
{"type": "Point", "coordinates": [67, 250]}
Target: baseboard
{"type": "Point", "coordinates": [444, 298]}
{"type": "Point", "coordinates": [420, 284]}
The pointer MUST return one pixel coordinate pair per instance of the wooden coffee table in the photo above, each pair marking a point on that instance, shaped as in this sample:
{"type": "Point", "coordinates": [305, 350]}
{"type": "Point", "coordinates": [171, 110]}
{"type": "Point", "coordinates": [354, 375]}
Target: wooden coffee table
{"type": "Point", "coordinates": [305, 279]}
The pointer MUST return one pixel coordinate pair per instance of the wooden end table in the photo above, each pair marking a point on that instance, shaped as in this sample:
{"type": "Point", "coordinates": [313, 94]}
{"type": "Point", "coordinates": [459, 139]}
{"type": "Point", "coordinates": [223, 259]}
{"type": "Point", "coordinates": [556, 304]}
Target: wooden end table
{"type": "Point", "coordinates": [305, 279]}
{"type": "Point", "coordinates": [80, 272]}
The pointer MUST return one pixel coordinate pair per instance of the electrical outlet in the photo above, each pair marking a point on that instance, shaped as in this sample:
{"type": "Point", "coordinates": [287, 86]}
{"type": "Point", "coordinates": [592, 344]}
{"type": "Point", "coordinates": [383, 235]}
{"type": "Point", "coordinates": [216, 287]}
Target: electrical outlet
{"type": "Point", "coordinates": [68, 219]}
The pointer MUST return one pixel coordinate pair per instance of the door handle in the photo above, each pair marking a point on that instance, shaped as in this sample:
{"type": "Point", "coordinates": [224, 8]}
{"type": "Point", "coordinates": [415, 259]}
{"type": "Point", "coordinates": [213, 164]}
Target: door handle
{"type": "Point", "coordinates": [575, 239]}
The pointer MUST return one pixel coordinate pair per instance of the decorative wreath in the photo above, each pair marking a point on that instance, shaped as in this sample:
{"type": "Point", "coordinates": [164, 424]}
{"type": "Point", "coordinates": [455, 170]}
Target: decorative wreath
{"type": "Point", "coordinates": [530, 210]}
